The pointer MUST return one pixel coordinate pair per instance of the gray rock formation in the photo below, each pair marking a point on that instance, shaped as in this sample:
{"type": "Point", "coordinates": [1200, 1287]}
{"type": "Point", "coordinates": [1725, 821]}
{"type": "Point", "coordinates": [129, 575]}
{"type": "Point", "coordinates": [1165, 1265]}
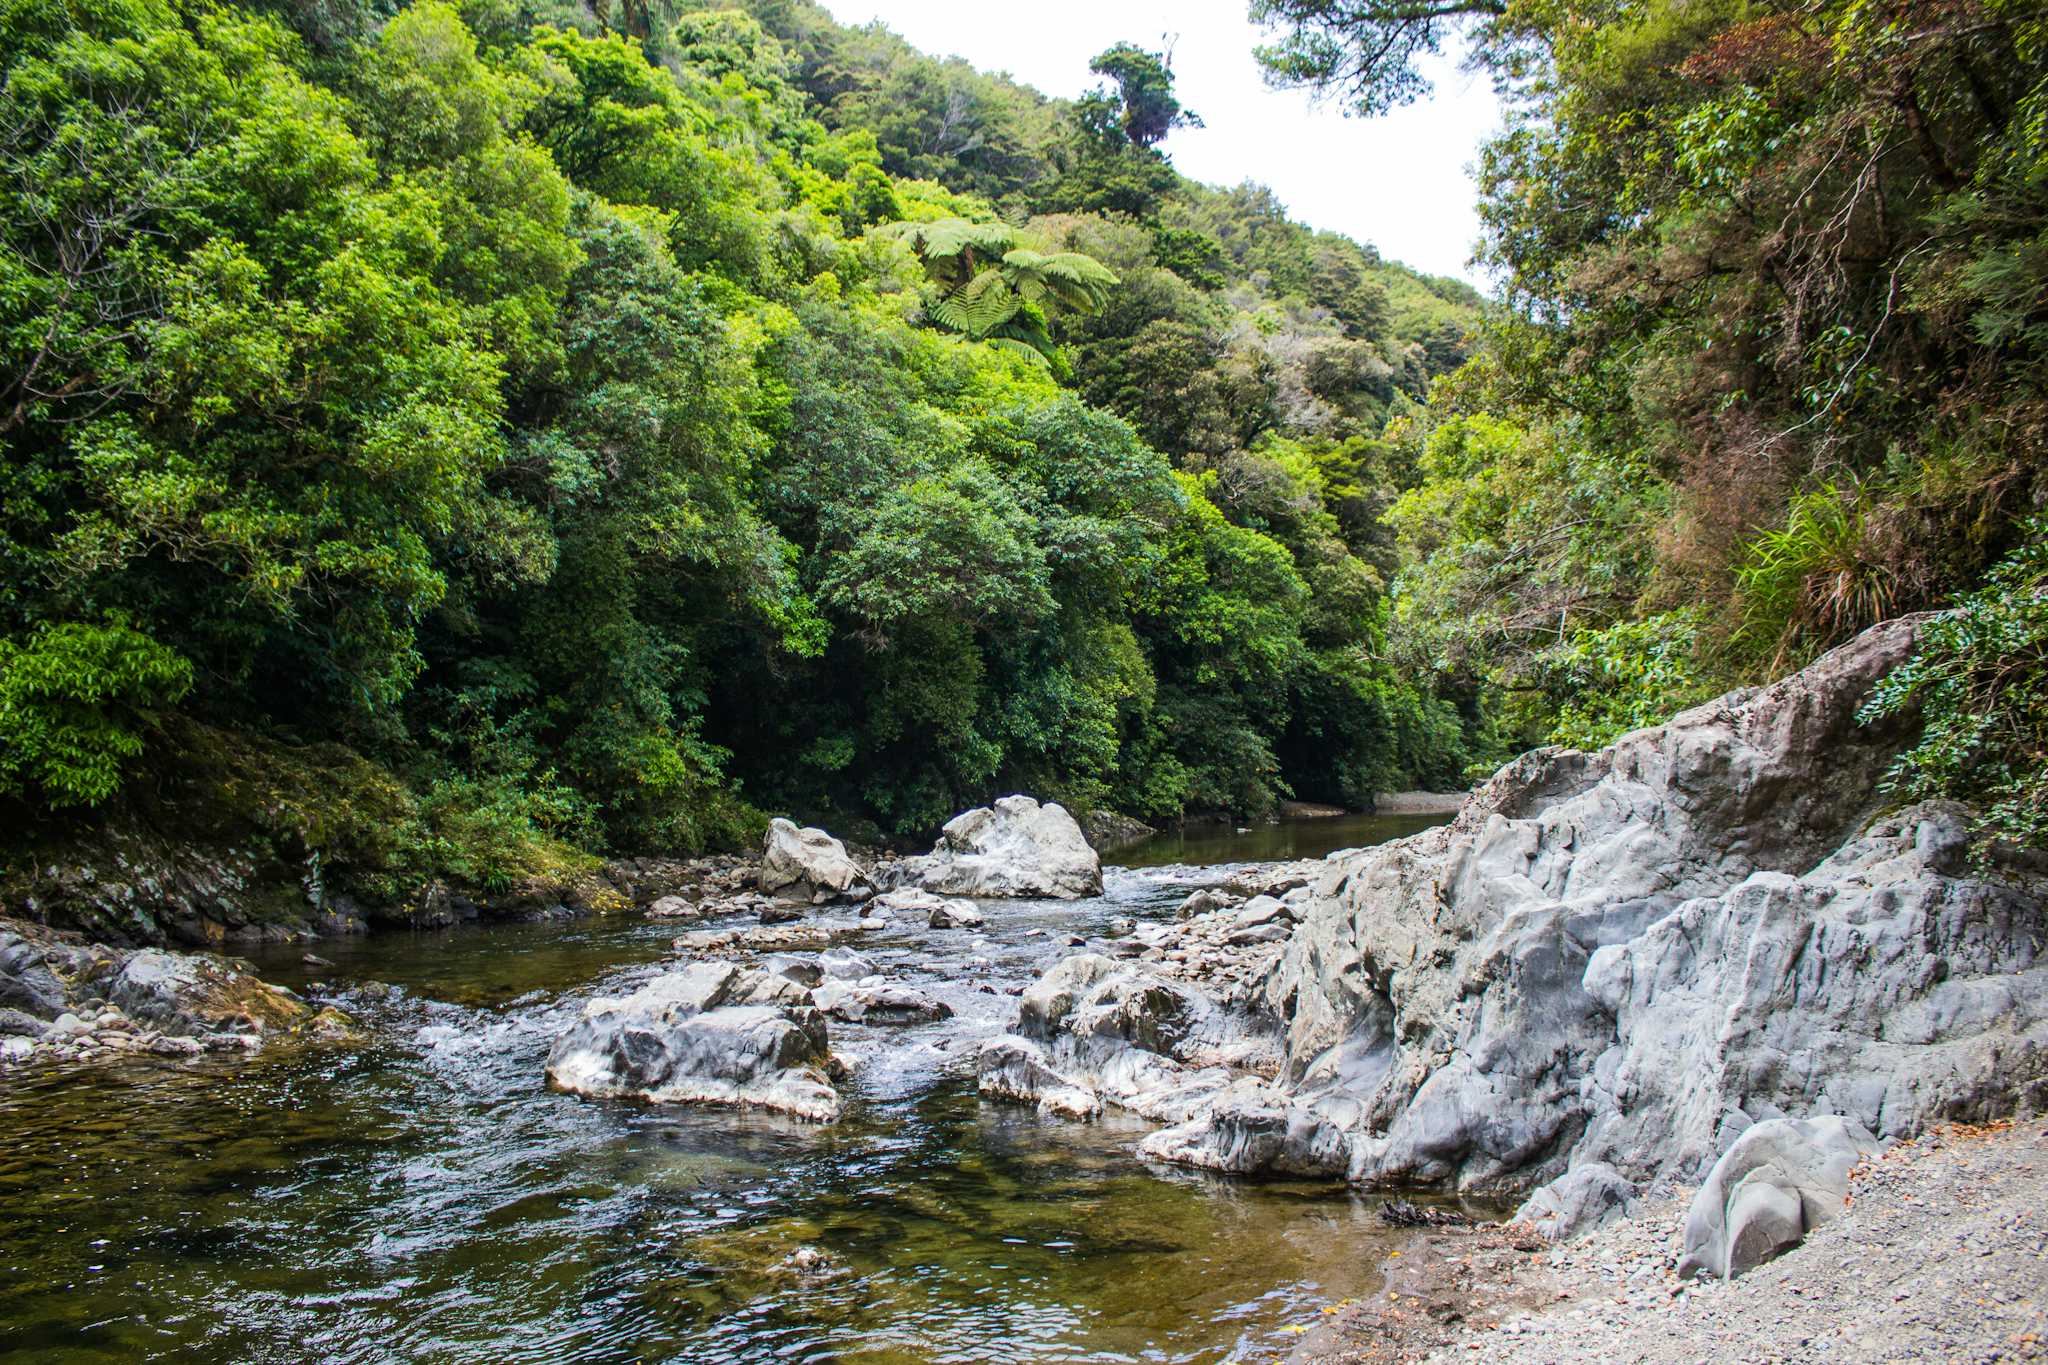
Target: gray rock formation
{"type": "Point", "coordinates": [879, 1003]}
{"type": "Point", "coordinates": [1578, 1201]}
{"type": "Point", "coordinates": [1095, 1031]}
{"type": "Point", "coordinates": [68, 998]}
{"type": "Point", "coordinates": [1108, 830]}
{"type": "Point", "coordinates": [1780, 1180]}
{"type": "Point", "coordinates": [1628, 957]}
{"type": "Point", "coordinates": [940, 912]}
{"type": "Point", "coordinates": [712, 1033]}
{"type": "Point", "coordinates": [1015, 848]}
{"type": "Point", "coordinates": [801, 864]}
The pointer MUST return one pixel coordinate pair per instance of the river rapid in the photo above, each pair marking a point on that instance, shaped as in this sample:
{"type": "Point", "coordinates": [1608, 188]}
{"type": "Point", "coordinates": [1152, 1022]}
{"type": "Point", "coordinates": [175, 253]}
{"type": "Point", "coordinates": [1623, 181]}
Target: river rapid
{"type": "Point", "coordinates": [421, 1196]}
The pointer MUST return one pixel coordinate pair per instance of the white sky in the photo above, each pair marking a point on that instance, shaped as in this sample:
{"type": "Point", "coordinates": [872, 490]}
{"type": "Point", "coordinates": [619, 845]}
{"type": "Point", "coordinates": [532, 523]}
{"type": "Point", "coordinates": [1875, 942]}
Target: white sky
{"type": "Point", "coordinates": [1401, 182]}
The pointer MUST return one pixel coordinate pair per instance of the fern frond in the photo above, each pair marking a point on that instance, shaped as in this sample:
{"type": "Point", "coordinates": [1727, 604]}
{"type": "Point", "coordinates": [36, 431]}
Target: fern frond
{"type": "Point", "coordinates": [979, 306]}
{"type": "Point", "coordinates": [949, 237]}
{"type": "Point", "coordinates": [1079, 282]}
{"type": "Point", "coordinates": [1026, 327]}
{"type": "Point", "coordinates": [1023, 348]}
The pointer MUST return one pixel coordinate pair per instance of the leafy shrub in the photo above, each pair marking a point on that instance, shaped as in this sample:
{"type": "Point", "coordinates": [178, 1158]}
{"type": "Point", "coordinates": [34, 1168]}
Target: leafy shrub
{"type": "Point", "coordinates": [1818, 580]}
{"type": "Point", "coordinates": [1980, 680]}
{"type": "Point", "coordinates": [1626, 676]}
{"type": "Point", "coordinates": [74, 700]}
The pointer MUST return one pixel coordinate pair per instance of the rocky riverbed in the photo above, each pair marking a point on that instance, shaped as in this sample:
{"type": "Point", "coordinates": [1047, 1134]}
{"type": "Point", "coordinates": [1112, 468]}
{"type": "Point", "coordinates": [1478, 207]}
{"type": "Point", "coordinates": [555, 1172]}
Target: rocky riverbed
{"type": "Point", "coordinates": [64, 1000]}
{"type": "Point", "coordinates": [1941, 1253]}
{"type": "Point", "coordinates": [1710, 940]}
{"type": "Point", "coordinates": [418, 1191]}
{"type": "Point", "coordinates": [1589, 983]}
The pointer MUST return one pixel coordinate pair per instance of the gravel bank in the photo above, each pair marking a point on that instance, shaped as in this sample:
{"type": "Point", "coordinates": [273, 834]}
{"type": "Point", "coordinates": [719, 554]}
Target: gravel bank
{"type": "Point", "coordinates": [1942, 1255]}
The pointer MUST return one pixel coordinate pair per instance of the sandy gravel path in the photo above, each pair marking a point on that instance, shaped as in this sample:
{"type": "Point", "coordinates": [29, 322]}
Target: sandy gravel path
{"type": "Point", "coordinates": [1942, 1255]}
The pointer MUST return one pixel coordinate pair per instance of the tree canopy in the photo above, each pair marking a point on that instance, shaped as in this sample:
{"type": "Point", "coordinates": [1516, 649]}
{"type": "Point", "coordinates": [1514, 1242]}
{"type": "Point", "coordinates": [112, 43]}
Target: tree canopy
{"type": "Point", "coordinates": [562, 428]}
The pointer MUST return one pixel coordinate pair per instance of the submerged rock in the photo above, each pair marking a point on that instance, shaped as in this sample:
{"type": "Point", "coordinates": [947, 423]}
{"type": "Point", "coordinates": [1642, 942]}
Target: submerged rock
{"type": "Point", "coordinates": [1016, 847]}
{"type": "Point", "coordinates": [801, 864]}
{"type": "Point", "coordinates": [712, 1033]}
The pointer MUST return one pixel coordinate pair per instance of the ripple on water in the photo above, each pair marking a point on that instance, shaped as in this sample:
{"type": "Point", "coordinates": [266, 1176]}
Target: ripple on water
{"type": "Point", "coordinates": [425, 1197]}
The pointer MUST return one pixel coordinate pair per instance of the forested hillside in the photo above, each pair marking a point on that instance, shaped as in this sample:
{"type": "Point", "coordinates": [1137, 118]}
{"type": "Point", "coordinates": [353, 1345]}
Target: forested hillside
{"type": "Point", "coordinates": [456, 441]}
{"type": "Point", "coordinates": [1772, 363]}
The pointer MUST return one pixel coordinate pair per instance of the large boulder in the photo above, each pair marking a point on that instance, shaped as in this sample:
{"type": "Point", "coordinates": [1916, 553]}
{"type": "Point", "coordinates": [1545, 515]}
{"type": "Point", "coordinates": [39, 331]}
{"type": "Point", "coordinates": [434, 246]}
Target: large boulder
{"type": "Point", "coordinates": [1627, 957]}
{"type": "Point", "coordinates": [197, 993]}
{"type": "Point", "coordinates": [1016, 847]}
{"type": "Point", "coordinates": [1780, 1180]}
{"type": "Point", "coordinates": [44, 974]}
{"type": "Point", "coordinates": [712, 1033]}
{"type": "Point", "coordinates": [804, 863]}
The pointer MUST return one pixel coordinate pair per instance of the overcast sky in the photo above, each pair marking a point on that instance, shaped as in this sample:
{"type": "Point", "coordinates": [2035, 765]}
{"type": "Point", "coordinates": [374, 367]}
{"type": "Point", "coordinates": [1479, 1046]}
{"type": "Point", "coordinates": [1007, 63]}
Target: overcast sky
{"type": "Point", "coordinates": [1401, 182]}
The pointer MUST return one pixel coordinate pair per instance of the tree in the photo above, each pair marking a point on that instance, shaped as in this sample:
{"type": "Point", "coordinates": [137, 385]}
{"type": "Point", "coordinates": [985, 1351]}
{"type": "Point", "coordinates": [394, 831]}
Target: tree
{"type": "Point", "coordinates": [1144, 89]}
{"type": "Point", "coordinates": [1362, 52]}
{"type": "Point", "coordinates": [995, 290]}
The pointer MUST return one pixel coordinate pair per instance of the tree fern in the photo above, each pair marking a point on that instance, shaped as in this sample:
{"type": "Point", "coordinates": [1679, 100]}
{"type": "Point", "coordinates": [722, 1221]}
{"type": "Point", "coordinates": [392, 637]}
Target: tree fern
{"type": "Point", "coordinates": [979, 306]}
{"type": "Point", "coordinates": [992, 289]}
{"type": "Point", "coordinates": [1079, 282]}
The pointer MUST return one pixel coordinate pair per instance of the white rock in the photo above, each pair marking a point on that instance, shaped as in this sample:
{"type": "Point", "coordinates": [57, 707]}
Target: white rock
{"type": "Point", "coordinates": [1017, 847]}
{"type": "Point", "coordinates": [804, 864]}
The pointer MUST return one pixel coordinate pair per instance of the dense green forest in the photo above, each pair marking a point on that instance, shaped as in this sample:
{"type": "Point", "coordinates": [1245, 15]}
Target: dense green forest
{"type": "Point", "coordinates": [467, 439]}
{"type": "Point", "coordinates": [1771, 363]}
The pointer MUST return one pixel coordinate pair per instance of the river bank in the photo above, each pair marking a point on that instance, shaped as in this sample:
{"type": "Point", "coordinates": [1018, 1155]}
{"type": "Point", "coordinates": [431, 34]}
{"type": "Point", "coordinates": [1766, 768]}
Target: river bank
{"type": "Point", "coordinates": [1941, 1254]}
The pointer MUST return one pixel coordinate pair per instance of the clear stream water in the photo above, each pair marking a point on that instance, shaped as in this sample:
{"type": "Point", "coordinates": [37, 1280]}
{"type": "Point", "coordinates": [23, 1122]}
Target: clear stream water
{"type": "Point", "coordinates": [423, 1197]}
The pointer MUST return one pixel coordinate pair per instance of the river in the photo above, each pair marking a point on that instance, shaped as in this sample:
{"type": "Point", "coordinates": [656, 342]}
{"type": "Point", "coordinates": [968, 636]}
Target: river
{"type": "Point", "coordinates": [423, 1197]}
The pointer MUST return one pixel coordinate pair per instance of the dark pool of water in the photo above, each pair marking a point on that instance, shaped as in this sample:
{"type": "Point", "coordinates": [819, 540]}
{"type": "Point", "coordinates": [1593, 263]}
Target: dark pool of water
{"type": "Point", "coordinates": [423, 1197]}
{"type": "Point", "coordinates": [1271, 840]}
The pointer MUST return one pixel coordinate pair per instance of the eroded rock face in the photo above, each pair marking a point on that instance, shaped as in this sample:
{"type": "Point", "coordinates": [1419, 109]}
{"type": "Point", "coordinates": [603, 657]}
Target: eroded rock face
{"type": "Point", "coordinates": [1778, 1182]}
{"type": "Point", "coordinates": [712, 1033]}
{"type": "Point", "coordinates": [804, 863]}
{"type": "Point", "coordinates": [1628, 957]}
{"type": "Point", "coordinates": [1016, 847]}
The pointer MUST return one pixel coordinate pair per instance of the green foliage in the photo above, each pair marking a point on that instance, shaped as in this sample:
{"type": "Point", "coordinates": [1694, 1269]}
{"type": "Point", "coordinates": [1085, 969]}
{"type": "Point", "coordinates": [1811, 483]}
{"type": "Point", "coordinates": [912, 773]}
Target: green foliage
{"type": "Point", "coordinates": [1144, 89]}
{"type": "Point", "coordinates": [1362, 52]}
{"type": "Point", "coordinates": [959, 546]}
{"type": "Point", "coordinates": [551, 428]}
{"type": "Point", "coordinates": [1978, 682]}
{"type": "Point", "coordinates": [74, 700]}
{"type": "Point", "coordinates": [1767, 365]}
{"type": "Point", "coordinates": [1627, 676]}
{"type": "Point", "coordinates": [1820, 578]}
{"type": "Point", "coordinates": [994, 289]}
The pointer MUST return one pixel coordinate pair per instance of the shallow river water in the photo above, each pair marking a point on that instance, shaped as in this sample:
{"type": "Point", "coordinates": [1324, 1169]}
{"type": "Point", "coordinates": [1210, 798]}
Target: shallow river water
{"type": "Point", "coordinates": [424, 1197]}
